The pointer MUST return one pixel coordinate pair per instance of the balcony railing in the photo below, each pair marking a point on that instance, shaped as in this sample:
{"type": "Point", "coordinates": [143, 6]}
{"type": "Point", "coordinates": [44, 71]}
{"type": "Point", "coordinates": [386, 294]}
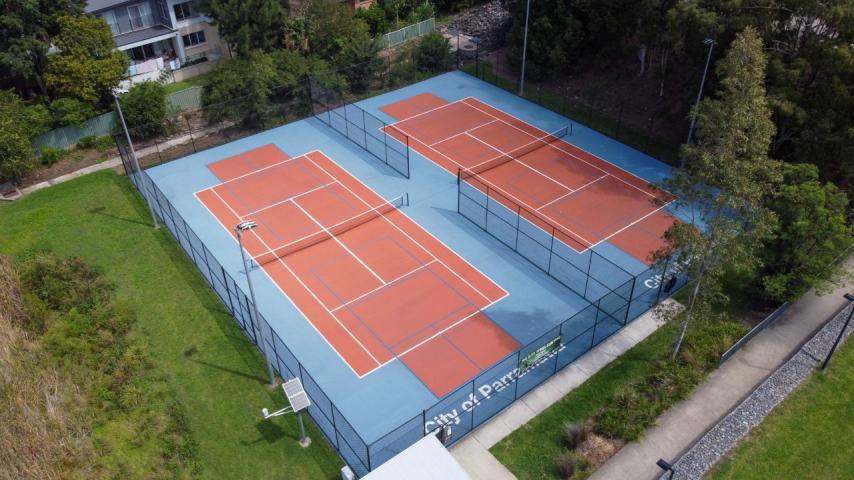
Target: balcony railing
{"type": "Point", "coordinates": [132, 24]}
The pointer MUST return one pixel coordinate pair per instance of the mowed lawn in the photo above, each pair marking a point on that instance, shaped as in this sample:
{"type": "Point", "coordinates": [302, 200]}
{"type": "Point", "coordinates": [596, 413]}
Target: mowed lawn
{"type": "Point", "coordinates": [218, 375]}
{"type": "Point", "coordinates": [808, 436]}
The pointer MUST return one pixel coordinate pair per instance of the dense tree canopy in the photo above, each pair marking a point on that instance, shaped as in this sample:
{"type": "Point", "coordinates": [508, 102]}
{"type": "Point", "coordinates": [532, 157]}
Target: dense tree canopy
{"type": "Point", "coordinates": [87, 66]}
{"type": "Point", "coordinates": [26, 27]}
{"type": "Point", "coordinates": [249, 25]}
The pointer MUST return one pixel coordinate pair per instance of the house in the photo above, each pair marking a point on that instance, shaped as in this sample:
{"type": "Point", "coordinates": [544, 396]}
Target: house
{"type": "Point", "coordinates": [165, 39]}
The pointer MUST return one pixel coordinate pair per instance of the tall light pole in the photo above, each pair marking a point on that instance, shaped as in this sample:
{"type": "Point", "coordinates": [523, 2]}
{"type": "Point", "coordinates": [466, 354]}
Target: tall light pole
{"type": "Point", "coordinates": [711, 43]}
{"type": "Point", "coordinates": [524, 49]}
{"type": "Point", "coordinates": [241, 227]}
{"type": "Point", "coordinates": [135, 160]}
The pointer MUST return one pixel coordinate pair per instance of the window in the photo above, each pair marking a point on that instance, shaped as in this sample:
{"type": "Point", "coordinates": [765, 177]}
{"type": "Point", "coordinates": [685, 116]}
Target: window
{"type": "Point", "coordinates": [193, 39]}
{"type": "Point", "coordinates": [139, 16]}
{"type": "Point", "coordinates": [183, 11]}
{"type": "Point", "coordinates": [141, 54]}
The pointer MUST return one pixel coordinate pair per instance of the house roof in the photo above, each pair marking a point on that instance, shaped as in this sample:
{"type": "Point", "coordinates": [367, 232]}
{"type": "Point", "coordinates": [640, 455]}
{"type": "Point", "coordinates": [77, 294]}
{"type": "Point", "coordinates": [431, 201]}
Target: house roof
{"type": "Point", "coordinates": [98, 5]}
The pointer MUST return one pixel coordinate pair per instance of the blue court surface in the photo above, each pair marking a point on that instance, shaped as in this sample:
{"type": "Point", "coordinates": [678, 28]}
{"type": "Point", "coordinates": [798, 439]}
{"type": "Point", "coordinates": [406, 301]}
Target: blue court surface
{"type": "Point", "coordinates": [537, 302]}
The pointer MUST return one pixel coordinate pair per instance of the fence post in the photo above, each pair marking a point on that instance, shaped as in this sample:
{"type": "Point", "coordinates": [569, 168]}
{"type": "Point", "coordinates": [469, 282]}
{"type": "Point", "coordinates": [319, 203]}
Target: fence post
{"type": "Point", "coordinates": [486, 212]}
{"type": "Point", "coordinates": [227, 290]}
{"type": "Point", "coordinates": [518, 225]}
{"type": "Point", "coordinates": [365, 128]}
{"type": "Point", "coordinates": [631, 299]}
{"type": "Point", "coordinates": [661, 281]}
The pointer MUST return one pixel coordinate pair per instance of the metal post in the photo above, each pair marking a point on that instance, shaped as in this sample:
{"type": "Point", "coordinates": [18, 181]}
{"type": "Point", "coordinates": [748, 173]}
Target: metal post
{"type": "Point", "coordinates": [711, 43]}
{"type": "Point", "coordinates": [524, 49]}
{"type": "Point", "coordinates": [303, 440]}
{"type": "Point", "coordinates": [850, 298]}
{"type": "Point", "coordinates": [255, 307]}
{"type": "Point", "coordinates": [135, 160]}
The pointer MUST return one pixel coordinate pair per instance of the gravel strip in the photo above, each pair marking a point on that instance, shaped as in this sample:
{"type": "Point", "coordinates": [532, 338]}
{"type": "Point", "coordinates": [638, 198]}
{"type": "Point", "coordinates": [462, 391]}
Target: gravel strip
{"type": "Point", "coordinates": [721, 438]}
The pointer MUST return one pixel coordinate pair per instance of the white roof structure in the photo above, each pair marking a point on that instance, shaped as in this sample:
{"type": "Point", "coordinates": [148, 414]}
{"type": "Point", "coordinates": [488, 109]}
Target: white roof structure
{"type": "Point", "coordinates": [427, 459]}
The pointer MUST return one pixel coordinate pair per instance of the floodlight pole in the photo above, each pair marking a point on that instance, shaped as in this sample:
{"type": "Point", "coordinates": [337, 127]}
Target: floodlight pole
{"type": "Point", "coordinates": [850, 299]}
{"type": "Point", "coordinates": [135, 160]}
{"type": "Point", "coordinates": [239, 229]}
{"type": "Point", "coordinates": [711, 43]}
{"type": "Point", "coordinates": [524, 49]}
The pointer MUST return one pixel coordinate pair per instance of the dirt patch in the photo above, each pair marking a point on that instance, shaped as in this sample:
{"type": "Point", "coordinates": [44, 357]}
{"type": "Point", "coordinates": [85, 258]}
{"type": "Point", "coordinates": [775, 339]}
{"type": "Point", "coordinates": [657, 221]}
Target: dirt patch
{"type": "Point", "coordinates": [74, 160]}
{"type": "Point", "coordinates": [599, 449]}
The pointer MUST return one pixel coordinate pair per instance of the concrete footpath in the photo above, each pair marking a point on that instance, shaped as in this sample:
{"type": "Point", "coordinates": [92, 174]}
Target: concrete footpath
{"type": "Point", "coordinates": [472, 452]}
{"type": "Point", "coordinates": [724, 388]}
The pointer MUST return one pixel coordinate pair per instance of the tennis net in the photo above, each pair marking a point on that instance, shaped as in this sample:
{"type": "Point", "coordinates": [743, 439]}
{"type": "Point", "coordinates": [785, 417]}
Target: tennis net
{"type": "Point", "coordinates": [514, 154]}
{"type": "Point", "coordinates": [331, 231]}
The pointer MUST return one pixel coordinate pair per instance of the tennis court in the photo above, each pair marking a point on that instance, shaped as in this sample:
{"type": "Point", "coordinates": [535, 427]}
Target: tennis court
{"type": "Point", "coordinates": [372, 282]}
{"type": "Point", "coordinates": [397, 282]}
{"type": "Point", "coordinates": [546, 179]}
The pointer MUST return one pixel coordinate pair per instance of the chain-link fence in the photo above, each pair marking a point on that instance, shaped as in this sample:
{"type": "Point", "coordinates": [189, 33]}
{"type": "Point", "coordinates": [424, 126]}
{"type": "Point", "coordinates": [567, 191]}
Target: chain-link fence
{"type": "Point", "coordinates": [641, 125]}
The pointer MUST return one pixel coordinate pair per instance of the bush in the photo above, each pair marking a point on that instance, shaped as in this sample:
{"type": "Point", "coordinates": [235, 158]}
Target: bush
{"type": "Point", "coordinates": [567, 464]}
{"type": "Point", "coordinates": [96, 143]}
{"type": "Point", "coordinates": [70, 111]}
{"type": "Point", "coordinates": [145, 110]}
{"type": "Point", "coordinates": [433, 53]}
{"type": "Point", "coordinates": [576, 434]}
{"type": "Point", "coordinates": [50, 155]}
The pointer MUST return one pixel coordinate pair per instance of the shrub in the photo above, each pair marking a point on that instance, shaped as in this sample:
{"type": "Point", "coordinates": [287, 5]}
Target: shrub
{"type": "Point", "coordinates": [50, 155]}
{"type": "Point", "coordinates": [145, 110]}
{"type": "Point", "coordinates": [567, 463]}
{"type": "Point", "coordinates": [70, 111]}
{"type": "Point", "coordinates": [402, 73]}
{"type": "Point", "coordinates": [576, 434]}
{"type": "Point", "coordinates": [628, 414]}
{"type": "Point", "coordinates": [433, 53]}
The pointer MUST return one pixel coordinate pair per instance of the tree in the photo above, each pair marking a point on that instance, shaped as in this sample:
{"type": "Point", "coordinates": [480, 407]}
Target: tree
{"type": "Point", "coordinates": [362, 63]}
{"type": "Point", "coordinates": [240, 89]}
{"type": "Point", "coordinates": [19, 123]}
{"type": "Point", "coordinates": [433, 54]}
{"type": "Point", "coordinates": [813, 233]}
{"type": "Point", "coordinates": [727, 177]}
{"type": "Point", "coordinates": [145, 110]}
{"type": "Point", "coordinates": [249, 25]}
{"type": "Point", "coordinates": [87, 66]}
{"type": "Point", "coordinates": [330, 26]}
{"type": "Point", "coordinates": [27, 26]}
{"type": "Point", "coordinates": [70, 111]}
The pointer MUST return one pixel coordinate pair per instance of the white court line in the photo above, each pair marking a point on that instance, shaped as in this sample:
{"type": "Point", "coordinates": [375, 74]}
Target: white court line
{"type": "Point", "coordinates": [288, 199]}
{"type": "Point", "coordinates": [397, 227]}
{"type": "Point", "coordinates": [252, 172]}
{"type": "Point", "coordinates": [339, 242]}
{"type": "Point", "coordinates": [428, 111]}
{"type": "Point", "coordinates": [519, 159]}
{"type": "Point", "coordinates": [572, 191]}
{"type": "Point", "coordinates": [309, 236]}
{"type": "Point", "coordinates": [311, 292]}
{"type": "Point", "coordinates": [354, 300]}
{"type": "Point", "coordinates": [464, 132]}
{"type": "Point", "coordinates": [573, 155]}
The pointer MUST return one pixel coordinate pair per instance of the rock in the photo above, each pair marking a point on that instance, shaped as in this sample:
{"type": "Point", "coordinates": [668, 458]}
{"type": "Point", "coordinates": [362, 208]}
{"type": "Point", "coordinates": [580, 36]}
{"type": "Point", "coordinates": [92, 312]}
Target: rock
{"type": "Point", "coordinates": [488, 23]}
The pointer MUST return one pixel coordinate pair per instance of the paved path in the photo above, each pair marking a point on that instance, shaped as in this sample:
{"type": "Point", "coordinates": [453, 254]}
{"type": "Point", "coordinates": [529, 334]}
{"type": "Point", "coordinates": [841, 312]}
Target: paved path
{"type": "Point", "coordinates": [724, 389]}
{"type": "Point", "coordinates": [473, 451]}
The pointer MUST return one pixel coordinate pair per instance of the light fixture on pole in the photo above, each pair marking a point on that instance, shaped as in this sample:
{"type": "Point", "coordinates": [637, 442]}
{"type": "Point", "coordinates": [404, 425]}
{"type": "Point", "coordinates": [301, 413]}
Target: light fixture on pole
{"type": "Point", "coordinates": [850, 299]}
{"type": "Point", "coordinates": [298, 399]}
{"type": "Point", "coordinates": [524, 49]}
{"type": "Point", "coordinates": [662, 464]}
{"type": "Point", "coordinates": [135, 160]}
{"type": "Point", "coordinates": [241, 227]}
{"type": "Point", "coordinates": [711, 43]}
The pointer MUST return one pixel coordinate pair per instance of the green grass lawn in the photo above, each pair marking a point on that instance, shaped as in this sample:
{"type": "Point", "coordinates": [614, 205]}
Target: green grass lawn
{"type": "Point", "coordinates": [218, 375]}
{"type": "Point", "coordinates": [184, 84]}
{"type": "Point", "coordinates": [532, 451]}
{"type": "Point", "coordinates": [808, 436]}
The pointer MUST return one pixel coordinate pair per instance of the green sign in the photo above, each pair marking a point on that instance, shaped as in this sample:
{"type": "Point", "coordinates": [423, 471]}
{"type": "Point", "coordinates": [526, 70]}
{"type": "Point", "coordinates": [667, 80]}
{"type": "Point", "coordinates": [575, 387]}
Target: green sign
{"type": "Point", "coordinates": [532, 359]}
